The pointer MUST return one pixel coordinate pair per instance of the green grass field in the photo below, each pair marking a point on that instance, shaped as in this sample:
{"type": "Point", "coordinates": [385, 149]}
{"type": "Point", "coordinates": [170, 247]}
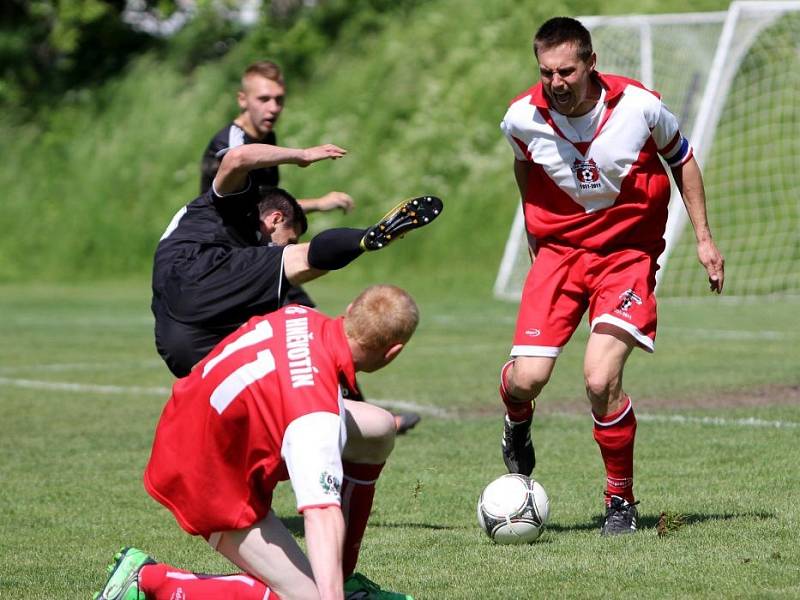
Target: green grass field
{"type": "Point", "coordinates": [81, 389]}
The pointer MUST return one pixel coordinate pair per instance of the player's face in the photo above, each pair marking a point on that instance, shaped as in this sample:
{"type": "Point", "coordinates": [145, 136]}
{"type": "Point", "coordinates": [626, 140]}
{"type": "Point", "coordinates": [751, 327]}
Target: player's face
{"type": "Point", "coordinates": [567, 79]}
{"type": "Point", "coordinates": [261, 101]}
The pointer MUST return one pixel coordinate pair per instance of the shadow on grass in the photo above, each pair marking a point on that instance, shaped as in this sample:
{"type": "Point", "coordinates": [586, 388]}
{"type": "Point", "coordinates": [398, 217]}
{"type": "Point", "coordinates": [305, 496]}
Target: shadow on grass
{"type": "Point", "coordinates": [411, 525]}
{"type": "Point", "coordinates": [649, 521]}
{"type": "Point", "coordinates": [295, 525]}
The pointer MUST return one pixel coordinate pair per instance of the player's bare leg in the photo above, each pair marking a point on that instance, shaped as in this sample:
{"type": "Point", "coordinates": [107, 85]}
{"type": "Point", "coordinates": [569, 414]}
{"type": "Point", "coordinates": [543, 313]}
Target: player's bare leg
{"type": "Point", "coordinates": [521, 381]}
{"type": "Point", "coordinates": [371, 432]}
{"type": "Point", "coordinates": [269, 552]}
{"type": "Point", "coordinates": [266, 552]}
{"type": "Point", "coordinates": [607, 351]}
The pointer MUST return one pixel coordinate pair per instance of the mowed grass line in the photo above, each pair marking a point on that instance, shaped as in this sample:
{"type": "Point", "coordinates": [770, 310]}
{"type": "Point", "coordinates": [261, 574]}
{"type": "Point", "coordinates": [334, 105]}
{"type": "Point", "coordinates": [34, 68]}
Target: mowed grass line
{"type": "Point", "coordinates": [72, 460]}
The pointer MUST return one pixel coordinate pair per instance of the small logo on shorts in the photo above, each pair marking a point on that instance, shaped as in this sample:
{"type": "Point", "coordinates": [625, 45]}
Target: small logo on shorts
{"type": "Point", "coordinates": [533, 332]}
{"type": "Point", "coordinates": [329, 483]}
{"type": "Point", "coordinates": [627, 299]}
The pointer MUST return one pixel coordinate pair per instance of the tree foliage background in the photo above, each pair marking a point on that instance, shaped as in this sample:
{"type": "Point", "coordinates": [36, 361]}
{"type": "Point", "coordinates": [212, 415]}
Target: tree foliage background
{"type": "Point", "coordinates": [104, 125]}
{"type": "Point", "coordinates": [48, 47]}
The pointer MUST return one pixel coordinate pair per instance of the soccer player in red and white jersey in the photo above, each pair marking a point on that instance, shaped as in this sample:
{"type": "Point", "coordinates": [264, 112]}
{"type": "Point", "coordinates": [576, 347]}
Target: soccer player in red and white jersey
{"type": "Point", "coordinates": [588, 151]}
{"type": "Point", "coordinates": [265, 405]}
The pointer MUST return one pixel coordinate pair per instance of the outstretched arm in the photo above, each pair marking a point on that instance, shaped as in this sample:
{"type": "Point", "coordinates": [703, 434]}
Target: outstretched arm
{"type": "Point", "coordinates": [689, 180]}
{"type": "Point", "coordinates": [239, 161]}
{"type": "Point", "coordinates": [330, 201]}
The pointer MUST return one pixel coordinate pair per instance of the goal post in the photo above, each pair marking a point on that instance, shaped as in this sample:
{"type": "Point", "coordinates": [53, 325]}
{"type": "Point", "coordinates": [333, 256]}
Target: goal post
{"type": "Point", "coordinates": [746, 139]}
{"type": "Point", "coordinates": [709, 67]}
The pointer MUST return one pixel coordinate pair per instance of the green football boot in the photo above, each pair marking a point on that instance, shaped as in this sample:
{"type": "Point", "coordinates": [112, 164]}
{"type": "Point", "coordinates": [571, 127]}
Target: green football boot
{"type": "Point", "coordinates": [123, 576]}
{"type": "Point", "coordinates": [358, 587]}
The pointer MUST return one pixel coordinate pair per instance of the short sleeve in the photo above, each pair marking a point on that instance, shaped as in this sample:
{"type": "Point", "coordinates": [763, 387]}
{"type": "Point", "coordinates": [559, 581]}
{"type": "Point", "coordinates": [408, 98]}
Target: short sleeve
{"type": "Point", "coordinates": [669, 140]}
{"type": "Point", "coordinates": [247, 191]}
{"type": "Point", "coordinates": [516, 143]}
{"type": "Point", "coordinates": [312, 450]}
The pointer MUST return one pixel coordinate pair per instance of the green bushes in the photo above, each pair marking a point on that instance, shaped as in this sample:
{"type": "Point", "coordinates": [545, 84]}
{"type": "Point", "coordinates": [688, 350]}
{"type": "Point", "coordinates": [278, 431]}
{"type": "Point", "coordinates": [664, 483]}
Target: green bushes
{"type": "Point", "coordinates": [414, 90]}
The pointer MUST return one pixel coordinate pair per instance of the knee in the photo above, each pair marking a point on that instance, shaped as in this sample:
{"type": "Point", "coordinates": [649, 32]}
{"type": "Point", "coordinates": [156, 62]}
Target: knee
{"type": "Point", "coordinates": [370, 435]}
{"type": "Point", "coordinates": [598, 385]}
{"type": "Point", "coordinates": [383, 441]}
{"type": "Point", "coordinates": [526, 380]}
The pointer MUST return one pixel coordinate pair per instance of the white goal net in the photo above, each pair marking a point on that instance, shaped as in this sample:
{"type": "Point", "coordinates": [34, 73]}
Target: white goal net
{"type": "Point", "coordinates": [733, 80]}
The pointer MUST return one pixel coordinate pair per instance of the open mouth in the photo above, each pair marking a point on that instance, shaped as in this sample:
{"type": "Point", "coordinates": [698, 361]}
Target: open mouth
{"type": "Point", "coordinates": [562, 97]}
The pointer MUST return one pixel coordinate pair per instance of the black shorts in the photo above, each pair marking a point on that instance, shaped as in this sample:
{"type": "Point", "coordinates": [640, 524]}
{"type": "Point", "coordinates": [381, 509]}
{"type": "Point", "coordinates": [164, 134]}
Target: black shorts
{"type": "Point", "coordinates": [203, 293]}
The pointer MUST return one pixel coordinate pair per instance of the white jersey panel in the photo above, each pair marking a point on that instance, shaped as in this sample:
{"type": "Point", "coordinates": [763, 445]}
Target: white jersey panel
{"type": "Point", "coordinates": [592, 180]}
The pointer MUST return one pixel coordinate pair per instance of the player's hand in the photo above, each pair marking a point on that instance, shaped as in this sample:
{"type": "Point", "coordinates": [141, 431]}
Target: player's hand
{"type": "Point", "coordinates": [334, 200]}
{"type": "Point", "coordinates": [317, 153]}
{"type": "Point", "coordinates": [714, 263]}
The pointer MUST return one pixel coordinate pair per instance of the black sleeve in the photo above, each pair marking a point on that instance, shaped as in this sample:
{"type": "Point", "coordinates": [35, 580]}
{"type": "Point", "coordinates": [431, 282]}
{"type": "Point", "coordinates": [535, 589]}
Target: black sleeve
{"type": "Point", "coordinates": [209, 166]}
{"type": "Point", "coordinates": [209, 163]}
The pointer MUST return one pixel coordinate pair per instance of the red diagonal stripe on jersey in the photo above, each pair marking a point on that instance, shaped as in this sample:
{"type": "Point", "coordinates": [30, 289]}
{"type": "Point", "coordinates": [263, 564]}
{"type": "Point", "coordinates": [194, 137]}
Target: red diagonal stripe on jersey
{"type": "Point", "coordinates": [582, 147]}
{"type": "Point", "coordinates": [522, 147]}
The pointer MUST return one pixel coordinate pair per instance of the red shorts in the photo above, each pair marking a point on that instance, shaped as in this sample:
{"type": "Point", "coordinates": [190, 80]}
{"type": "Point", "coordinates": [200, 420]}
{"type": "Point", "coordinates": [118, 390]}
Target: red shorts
{"type": "Point", "coordinates": [617, 288]}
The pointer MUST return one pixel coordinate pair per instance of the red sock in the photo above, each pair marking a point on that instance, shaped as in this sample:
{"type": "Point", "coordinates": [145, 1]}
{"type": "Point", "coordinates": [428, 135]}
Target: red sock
{"type": "Point", "coordinates": [615, 435]}
{"type": "Point", "coordinates": [164, 582]}
{"type": "Point", "coordinates": [517, 410]}
{"type": "Point", "coordinates": [358, 490]}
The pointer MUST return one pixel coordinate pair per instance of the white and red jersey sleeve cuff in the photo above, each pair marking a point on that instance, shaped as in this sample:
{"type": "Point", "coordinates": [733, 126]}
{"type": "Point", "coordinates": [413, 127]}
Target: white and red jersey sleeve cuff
{"type": "Point", "coordinates": [672, 146]}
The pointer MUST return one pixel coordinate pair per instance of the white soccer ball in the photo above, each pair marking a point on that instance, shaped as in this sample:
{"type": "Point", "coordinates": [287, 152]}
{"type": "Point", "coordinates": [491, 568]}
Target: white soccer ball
{"type": "Point", "coordinates": [513, 509]}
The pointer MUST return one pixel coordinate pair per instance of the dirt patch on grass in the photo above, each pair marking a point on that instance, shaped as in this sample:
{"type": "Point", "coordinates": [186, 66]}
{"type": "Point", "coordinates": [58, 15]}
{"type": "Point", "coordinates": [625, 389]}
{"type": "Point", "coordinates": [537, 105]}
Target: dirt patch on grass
{"type": "Point", "coordinates": [772, 395]}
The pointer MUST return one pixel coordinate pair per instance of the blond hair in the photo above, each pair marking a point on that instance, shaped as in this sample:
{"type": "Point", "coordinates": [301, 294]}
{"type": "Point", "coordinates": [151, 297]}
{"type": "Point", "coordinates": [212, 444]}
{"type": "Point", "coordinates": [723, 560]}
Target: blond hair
{"type": "Point", "coordinates": [381, 315]}
{"type": "Point", "coordinates": [266, 69]}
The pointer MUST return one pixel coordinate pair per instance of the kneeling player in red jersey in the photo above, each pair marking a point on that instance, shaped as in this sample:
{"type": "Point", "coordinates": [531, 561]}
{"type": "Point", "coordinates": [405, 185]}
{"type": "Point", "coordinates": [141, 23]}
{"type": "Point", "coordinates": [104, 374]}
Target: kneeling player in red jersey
{"type": "Point", "coordinates": [266, 405]}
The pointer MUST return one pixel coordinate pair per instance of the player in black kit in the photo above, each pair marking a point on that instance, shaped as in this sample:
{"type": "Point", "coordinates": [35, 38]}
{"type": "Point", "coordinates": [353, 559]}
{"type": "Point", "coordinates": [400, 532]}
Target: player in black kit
{"type": "Point", "coordinates": [231, 254]}
{"type": "Point", "coordinates": [261, 101]}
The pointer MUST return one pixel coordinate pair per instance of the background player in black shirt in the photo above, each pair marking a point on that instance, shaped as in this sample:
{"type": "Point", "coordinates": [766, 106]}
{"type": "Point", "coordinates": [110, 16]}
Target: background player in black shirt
{"type": "Point", "coordinates": [261, 100]}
